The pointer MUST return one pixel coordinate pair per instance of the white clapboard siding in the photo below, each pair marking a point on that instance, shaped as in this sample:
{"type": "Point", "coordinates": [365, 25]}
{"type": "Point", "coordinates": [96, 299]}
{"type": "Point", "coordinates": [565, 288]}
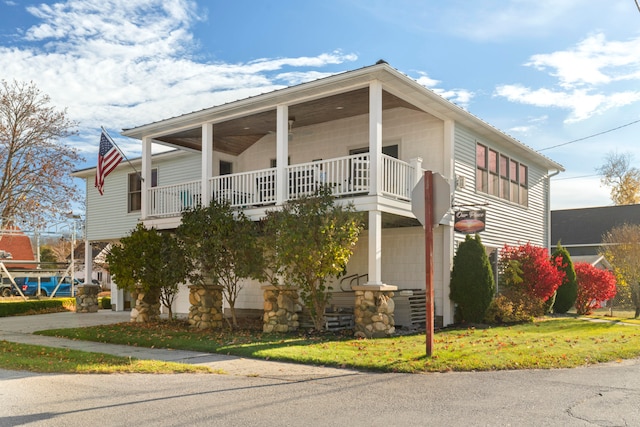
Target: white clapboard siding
{"type": "Point", "coordinates": [506, 222]}
{"type": "Point", "coordinates": [109, 219]}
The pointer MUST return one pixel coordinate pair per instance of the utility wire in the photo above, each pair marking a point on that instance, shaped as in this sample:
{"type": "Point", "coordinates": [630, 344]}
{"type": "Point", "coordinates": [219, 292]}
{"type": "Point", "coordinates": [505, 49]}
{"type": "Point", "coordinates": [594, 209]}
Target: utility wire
{"type": "Point", "coordinates": [590, 136]}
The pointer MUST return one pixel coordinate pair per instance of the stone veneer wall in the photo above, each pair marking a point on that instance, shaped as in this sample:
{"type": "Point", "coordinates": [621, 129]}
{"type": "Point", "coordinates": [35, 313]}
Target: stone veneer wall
{"type": "Point", "coordinates": [374, 308]}
{"type": "Point", "coordinates": [147, 306]}
{"type": "Point", "coordinates": [206, 306]}
{"type": "Point", "coordinates": [87, 298]}
{"type": "Point", "coordinates": [281, 309]}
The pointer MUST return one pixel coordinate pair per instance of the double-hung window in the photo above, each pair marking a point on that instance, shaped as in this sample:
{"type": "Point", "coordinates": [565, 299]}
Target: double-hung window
{"type": "Point", "coordinates": [134, 192]}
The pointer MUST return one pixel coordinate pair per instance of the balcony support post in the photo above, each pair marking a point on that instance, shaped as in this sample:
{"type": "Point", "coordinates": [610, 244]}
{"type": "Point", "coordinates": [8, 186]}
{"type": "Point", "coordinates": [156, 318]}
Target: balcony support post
{"type": "Point", "coordinates": [145, 178]}
{"type": "Point", "coordinates": [375, 248]}
{"type": "Point", "coordinates": [375, 137]}
{"type": "Point", "coordinates": [282, 153]}
{"type": "Point", "coordinates": [207, 162]}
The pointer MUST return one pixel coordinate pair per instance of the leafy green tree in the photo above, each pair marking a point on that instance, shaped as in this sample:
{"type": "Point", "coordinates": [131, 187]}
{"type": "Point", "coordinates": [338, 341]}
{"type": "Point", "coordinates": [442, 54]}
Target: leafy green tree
{"type": "Point", "coordinates": [568, 291]}
{"type": "Point", "coordinates": [472, 285]}
{"type": "Point", "coordinates": [309, 241]}
{"type": "Point", "coordinates": [150, 261]}
{"type": "Point", "coordinates": [47, 255]}
{"type": "Point", "coordinates": [222, 245]}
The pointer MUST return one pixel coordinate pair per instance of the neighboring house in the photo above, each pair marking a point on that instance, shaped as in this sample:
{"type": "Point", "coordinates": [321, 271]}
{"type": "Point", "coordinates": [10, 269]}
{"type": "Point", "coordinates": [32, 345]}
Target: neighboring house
{"type": "Point", "coordinates": [369, 133]}
{"type": "Point", "coordinates": [16, 246]}
{"type": "Point", "coordinates": [581, 231]}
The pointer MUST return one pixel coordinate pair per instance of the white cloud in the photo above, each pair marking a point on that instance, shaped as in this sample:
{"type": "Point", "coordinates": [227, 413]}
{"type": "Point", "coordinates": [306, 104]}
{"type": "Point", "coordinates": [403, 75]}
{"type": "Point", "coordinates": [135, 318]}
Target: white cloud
{"type": "Point", "coordinates": [594, 61]}
{"type": "Point", "coordinates": [586, 75]}
{"type": "Point", "coordinates": [122, 63]}
{"type": "Point", "coordinates": [461, 97]}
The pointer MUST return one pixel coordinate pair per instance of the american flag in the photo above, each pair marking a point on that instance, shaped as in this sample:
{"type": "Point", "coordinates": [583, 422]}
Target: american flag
{"type": "Point", "coordinates": [108, 158]}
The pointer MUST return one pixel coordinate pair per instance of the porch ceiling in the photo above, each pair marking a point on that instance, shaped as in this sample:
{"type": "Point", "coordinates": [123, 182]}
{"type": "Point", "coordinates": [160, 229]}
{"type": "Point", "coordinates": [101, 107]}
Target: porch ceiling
{"type": "Point", "coordinates": [236, 135]}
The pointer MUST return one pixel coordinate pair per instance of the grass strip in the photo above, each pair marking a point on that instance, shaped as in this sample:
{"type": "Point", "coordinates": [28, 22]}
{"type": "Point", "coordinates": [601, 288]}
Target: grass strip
{"type": "Point", "coordinates": [551, 343]}
{"type": "Point", "coordinates": [34, 358]}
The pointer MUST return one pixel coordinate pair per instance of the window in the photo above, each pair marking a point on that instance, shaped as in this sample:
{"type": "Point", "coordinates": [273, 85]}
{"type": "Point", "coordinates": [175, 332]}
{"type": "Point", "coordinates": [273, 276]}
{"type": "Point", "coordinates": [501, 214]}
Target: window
{"type": "Point", "coordinates": [482, 177]}
{"type": "Point", "coordinates": [500, 176]}
{"type": "Point", "coordinates": [226, 168]}
{"type": "Point", "coordinates": [134, 194]}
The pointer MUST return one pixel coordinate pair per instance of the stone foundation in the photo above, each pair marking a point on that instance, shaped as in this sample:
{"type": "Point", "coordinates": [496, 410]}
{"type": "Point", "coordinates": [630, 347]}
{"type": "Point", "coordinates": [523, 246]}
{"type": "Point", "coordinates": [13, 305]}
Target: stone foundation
{"type": "Point", "coordinates": [147, 306]}
{"type": "Point", "coordinates": [373, 311]}
{"type": "Point", "coordinates": [206, 306]}
{"type": "Point", "coordinates": [87, 298]}
{"type": "Point", "coordinates": [282, 308]}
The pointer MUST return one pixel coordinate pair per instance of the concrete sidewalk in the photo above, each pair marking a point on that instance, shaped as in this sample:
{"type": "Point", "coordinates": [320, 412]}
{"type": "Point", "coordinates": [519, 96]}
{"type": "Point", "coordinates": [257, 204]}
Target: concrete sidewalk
{"type": "Point", "coordinates": [20, 329]}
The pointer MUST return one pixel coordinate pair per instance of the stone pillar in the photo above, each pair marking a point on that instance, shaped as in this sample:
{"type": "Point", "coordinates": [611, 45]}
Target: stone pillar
{"type": "Point", "coordinates": [87, 298]}
{"type": "Point", "coordinates": [206, 306]}
{"type": "Point", "coordinates": [282, 308]}
{"type": "Point", "coordinates": [147, 306]}
{"type": "Point", "coordinates": [373, 311]}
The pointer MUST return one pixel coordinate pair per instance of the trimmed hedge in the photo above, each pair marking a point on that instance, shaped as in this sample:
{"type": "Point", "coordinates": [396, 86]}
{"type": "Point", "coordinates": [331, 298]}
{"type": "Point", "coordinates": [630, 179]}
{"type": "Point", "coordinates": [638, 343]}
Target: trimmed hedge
{"type": "Point", "coordinates": [105, 303]}
{"type": "Point", "coordinates": [13, 308]}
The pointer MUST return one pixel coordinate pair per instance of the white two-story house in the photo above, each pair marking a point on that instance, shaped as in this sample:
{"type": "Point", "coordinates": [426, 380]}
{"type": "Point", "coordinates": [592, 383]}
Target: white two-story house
{"type": "Point", "coordinates": [369, 134]}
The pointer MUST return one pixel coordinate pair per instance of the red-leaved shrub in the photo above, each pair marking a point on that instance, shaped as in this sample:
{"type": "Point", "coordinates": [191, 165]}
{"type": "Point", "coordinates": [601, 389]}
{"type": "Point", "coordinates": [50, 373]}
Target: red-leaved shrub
{"type": "Point", "coordinates": [537, 273]}
{"type": "Point", "coordinates": [594, 287]}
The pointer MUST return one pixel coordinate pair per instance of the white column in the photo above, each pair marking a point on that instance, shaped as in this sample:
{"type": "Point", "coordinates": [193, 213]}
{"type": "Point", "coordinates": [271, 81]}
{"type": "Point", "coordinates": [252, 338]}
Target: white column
{"type": "Point", "coordinates": [145, 185]}
{"type": "Point", "coordinates": [88, 262]}
{"type": "Point", "coordinates": [375, 248]}
{"type": "Point", "coordinates": [375, 137]}
{"type": "Point", "coordinates": [448, 172]}
{"type": "Point", "coordinates": [207, 162]}
{"type": "Point", "coordinates": [282, 153]}
{"type": "Point", "coordinates": [448, 150]}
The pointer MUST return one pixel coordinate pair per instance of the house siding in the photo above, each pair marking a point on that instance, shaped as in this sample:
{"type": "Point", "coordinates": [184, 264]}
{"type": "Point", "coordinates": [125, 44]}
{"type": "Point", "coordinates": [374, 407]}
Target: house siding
{"type": "Point", "coordinates": [109, 219]}
{"type": "Point", "coordinates": [506, 222]}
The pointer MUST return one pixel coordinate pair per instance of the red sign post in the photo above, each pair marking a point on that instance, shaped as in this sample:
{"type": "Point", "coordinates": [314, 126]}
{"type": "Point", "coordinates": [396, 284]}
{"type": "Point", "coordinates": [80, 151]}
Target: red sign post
{"type": "Point", "coordinates": [428, 250]}
{"type": "Point", "coordinates": [430, 202]}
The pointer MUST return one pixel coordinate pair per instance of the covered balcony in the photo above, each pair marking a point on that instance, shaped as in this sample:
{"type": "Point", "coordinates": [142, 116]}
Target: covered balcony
{"type": "Point", "coordinates": [348, 177]}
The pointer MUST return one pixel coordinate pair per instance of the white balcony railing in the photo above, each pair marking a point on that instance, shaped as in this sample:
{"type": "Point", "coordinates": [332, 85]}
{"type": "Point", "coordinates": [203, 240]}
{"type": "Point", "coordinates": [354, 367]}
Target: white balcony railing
{"type": "Point", "coordinates": [347, 176]}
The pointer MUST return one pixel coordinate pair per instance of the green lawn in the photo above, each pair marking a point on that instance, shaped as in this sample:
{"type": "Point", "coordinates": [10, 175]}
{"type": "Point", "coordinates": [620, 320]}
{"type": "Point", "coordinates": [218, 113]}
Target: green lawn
{"type": "Point", "coordinates": [25, 357]}
{"type": "Point", "coordinates": [550, 343]}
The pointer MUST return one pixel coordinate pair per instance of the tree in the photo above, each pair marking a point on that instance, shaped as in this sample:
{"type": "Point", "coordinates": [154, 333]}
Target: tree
{"type": "Point", "coordinates": [594, 287]}
{"type": "Point", "coordinates": [621, 247]}
{"type": "Point", "coordinates": [309, 241]}
{"type": "Point", "coordinates": [222, 245]}
{"type": "Point", "coordinates": [472, 285]}
{"type": "Point", "coordinates": [35, 167]}
{"type": "Point", "coordinates": [568, 290]}
{"type": "Point", "coordinates": [529, 269]}
{"type": "Point", "coordinates": [149, 261]}
{"type": "Point", "coordinates": [622, 179]}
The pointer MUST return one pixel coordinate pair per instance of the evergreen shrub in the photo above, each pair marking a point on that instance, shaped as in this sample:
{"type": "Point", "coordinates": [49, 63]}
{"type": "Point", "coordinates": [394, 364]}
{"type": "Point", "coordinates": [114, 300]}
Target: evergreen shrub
{"type": "Point", "coordinates": [472, 285]}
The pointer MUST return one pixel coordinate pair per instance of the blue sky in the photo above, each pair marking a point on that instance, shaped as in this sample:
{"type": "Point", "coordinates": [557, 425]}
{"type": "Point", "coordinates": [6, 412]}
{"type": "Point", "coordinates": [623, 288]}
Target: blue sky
{"type": "Point", "coordinates": [546, 72]}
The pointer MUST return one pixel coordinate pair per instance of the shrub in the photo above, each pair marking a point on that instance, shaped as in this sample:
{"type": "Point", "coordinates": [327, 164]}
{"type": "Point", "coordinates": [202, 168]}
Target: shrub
{"type": "Point", "coordinates": [594, 287]}
{"type": "Point", "coordinates": [510, 307]}
{"type": "Point", "coordinates": [13, 308]}
{"type": "Point", "coordinates": [472, 285]}
{"type": "Point", "coordinates": [568, 291]}
{"type": "Point", "coordinates": [105, 303]}
{"type": "Point", "coordinates": [529, 269]}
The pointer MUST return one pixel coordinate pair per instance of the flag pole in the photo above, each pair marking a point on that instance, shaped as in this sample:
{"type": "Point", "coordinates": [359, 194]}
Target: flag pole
{"type": "Point", "coordinates": [121, 152]}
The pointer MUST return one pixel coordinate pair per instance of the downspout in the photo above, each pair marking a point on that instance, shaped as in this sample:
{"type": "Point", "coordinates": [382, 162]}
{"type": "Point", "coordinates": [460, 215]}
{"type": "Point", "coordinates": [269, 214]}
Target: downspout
{"type": "Point", "coordinates": [549, 208]}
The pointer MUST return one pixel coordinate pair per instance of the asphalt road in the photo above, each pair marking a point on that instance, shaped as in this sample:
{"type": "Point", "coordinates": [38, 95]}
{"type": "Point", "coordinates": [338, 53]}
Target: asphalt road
{"type": "Point", "coordinates": [603, 395]}
{"type": "Point", "coordinates": [264, 393]}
